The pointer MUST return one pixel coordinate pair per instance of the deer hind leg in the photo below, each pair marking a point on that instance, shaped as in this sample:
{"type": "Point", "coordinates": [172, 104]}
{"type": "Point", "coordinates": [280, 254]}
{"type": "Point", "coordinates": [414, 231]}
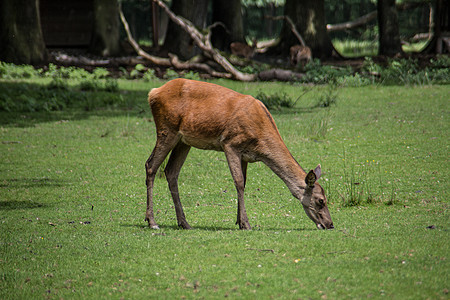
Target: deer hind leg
{"type": "Point", "coordinates": [164, 144]}
{"type": "Point", "coordinates": [238, 170]}
{"type": "Point", "coordinates": [176, 160]}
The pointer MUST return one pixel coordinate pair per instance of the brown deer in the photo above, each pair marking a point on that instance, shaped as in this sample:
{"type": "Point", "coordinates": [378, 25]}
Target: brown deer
{"type": "Point", "coordinates": [190, 113]}
{"type": "Point", "coordinates": [300, 54]}
{"type": "Point", "coordinates": [243, 50]}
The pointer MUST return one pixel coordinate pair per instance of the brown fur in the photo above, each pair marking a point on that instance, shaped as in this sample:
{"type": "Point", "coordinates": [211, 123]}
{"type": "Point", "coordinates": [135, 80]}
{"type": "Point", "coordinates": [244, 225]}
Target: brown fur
{"type": "Point", "coordinates": [242, 49]}
{"type": "Point", "coordinates": [190, 113]}
{"type": "Point", "coordinates": [300, 54]}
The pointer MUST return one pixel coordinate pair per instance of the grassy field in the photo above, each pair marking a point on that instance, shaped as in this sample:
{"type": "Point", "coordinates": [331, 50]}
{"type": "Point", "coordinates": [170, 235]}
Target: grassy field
{"type": "Point", "coordinates": [72, 204]}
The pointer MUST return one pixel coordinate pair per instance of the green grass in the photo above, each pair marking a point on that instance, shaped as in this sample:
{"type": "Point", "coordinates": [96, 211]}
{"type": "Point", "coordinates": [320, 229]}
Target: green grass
{"type": "Point", "coordinates": [72, 204]}
{"type": "Point", "coordinates": [361, 48]}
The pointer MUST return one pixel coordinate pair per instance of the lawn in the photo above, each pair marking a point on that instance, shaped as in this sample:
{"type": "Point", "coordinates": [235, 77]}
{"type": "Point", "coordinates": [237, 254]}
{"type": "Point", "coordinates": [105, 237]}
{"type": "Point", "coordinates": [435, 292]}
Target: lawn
{"type": "Point", "coordinates": [72, 204]}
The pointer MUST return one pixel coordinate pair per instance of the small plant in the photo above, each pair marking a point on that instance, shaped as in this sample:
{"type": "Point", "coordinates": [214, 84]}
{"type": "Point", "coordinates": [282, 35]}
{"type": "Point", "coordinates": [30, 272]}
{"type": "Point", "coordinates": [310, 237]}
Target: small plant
{"type": "Point", "coordinates": [90, 85]}
{"type": "Point", "coordinates": [275, 101]}
{"type": "Point", "coordinates": [137, 71]}
{"type": "Point", "coordinates": [149, 75]}
{"type": "Point", "coordinates": [100, 73]}
{"type": "Point", "coordinates": [365, 183]}
{"type": "Point", "coordinates": [328, 97]}
{"type": "Point", "coordinates": [320, 74]}
{"type": "Point", "coordinates": [11, 71]}
{"type": "Point", "coordinates": [58, 83]}
{"type": "Point", "coordinates": [356, 80]}
{"type": "Point", "coordinates": [171, 74]}
{"type": "Point", "coordinates": [192, 75]}
{"type": "Point", "coordinates": [111, 85]}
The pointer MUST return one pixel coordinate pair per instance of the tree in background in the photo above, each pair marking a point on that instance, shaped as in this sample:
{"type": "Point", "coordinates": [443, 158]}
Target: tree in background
{"type": "Point", "coordinates": [177, 40]}
{"type": "Point", "coordinates": [21, 37]}
{"type": "Point", "coordinates": [309, 19]}
{"type": "Point", "coordinates": [229, 13]}
{"type": "Point", "coordinates": [389, 35]}
{"type": "Point", "coordinates": [106, 35]}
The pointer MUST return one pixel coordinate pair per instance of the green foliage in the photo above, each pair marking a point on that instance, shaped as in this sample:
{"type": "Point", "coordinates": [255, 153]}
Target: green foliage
{"type": "Point", "coordinates": [171, 74]}
{"type": "Point", "coordinates": [11, 71]}
{"type": "Point", "coordinates": [192, 75]}
{"type": "Point", "coordinates": [362, 184]}
{"type": "Point", "coordinates": [356, 48]}
{"type": "Point", "coordinates": [320, 74]}
{"type": "Point", "coordinates": [149, 75]}
{"type": "Point", "coordinates": [100, 73]}
{"type": "Point", "coordinates": [355, 80]}
{"type": "Point", "coordinates": [57, 96]}
{"type": "Point", "coordinates": [329, 96]}
{"type": "Point", "coordinates": [58, 83]}
{"type": "Point", "coordinates": [276, 100]}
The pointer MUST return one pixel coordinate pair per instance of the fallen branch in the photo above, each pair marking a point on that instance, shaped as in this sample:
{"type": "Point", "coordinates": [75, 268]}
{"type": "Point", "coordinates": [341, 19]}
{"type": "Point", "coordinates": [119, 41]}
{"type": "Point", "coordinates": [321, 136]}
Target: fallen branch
{"type": "Point", "coordinates": [165, 62]}
{"type": "Point", "coordinates": [361, 21]}
{"type": "Point", "coordinates": [280, 75]}
{"type": "Point", "coordinates": [176, 63]}
{"type": "Point", "coordinates": [292, 25]}
{"type": "Point", "coordinates": [205, 45]}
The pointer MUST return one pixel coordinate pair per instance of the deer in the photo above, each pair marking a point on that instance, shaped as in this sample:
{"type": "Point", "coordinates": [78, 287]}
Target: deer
{"type": "Point", "coordinates": [300, 54]}
{"type": "Point", "coordinates": [243, 50]}
{"type": "Point", "coordinates": [189, 113]}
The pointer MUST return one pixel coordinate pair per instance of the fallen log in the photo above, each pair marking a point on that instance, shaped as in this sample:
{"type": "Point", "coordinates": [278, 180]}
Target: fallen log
{"type": "Point", "coordinates": [279, 75]}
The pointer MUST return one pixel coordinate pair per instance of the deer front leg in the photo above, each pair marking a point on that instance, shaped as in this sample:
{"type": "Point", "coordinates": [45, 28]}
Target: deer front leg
{"type": "Point", "coordinates": [176, 160]}
{"type": "Point", "coordinates": [238, 169]}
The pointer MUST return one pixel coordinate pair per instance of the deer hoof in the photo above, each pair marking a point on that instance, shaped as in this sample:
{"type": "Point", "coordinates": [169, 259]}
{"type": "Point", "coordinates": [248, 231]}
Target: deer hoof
{"type": "Point", "coordinates": [184, 225]}
{"type": "Point", "coordinates": [245, 226]}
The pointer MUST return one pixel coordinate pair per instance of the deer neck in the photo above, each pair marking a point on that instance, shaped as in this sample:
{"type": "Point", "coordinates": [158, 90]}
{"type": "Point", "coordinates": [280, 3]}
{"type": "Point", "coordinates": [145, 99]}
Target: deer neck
{"type": "Point", "coordinates": [282, 163]}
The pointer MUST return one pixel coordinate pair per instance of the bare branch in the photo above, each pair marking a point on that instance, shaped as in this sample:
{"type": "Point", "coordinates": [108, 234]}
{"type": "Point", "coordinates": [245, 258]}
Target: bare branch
{"type": "Point", "coordinates": [153, 59]}
{"type": "Point", "coordinates": [292, 25]}
{"type": "Point", "coordinates": [361, 21]}
{"type": "Point", "coordinates": [205, 45]}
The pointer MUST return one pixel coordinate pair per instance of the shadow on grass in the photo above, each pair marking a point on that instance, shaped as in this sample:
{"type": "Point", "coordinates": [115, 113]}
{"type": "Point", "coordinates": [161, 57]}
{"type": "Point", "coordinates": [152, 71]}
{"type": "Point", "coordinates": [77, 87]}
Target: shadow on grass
{"type": "Point", "coordinates": [11, 205]}
{"type": "Point", "coordinates": [31, 183]}
{"type": "Point", "coordinates": [25, 104]}
{"type": "Point", "coordinates": [216, 228]}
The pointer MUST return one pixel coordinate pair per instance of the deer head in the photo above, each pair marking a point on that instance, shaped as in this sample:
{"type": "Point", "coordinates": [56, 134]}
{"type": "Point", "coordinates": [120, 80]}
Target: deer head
{"type": "Point", "coordinates": [314, 201]}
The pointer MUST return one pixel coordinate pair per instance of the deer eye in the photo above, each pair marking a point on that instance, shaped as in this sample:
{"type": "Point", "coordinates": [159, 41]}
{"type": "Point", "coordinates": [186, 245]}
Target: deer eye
{"type": "Point", "coordinates": [321, 202]}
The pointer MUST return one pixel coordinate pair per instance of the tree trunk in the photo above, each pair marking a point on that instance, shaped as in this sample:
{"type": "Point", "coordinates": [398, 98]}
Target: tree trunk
{"type": "Point", "coordinates": [440, 42]}
{"type": "Point", "coordinates": [390, 43]}
{"type": "Point", "coordinates": [177, 40]}
{"type": "Point", "coordinates": [309, 19]}
{"type": "Point", "coordinates": [228, 12]}
{"type": "Point", "coordinates": [106, 38]}
{"type": "Point", "coordinates": [21, 37]}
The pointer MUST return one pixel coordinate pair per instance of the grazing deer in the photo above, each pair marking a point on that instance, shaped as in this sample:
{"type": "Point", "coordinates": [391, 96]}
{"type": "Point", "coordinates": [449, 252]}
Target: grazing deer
{"type": "Point", "coordinates": [300, 54]}
{"type": "Point", "coordinates": [190, 113]}
{"type": "Point", "coordinates": [243, 50]}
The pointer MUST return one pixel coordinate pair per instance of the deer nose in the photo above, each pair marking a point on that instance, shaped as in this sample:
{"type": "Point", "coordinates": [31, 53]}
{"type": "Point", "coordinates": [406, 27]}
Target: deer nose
{"type": "Point", "coordinates": [331, 226]}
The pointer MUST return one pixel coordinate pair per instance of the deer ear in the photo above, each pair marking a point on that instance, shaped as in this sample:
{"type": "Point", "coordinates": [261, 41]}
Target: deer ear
{"type": "Point", "coordinates": [310, 179]}
{"type": "Point", "coordinates": [318, 171]}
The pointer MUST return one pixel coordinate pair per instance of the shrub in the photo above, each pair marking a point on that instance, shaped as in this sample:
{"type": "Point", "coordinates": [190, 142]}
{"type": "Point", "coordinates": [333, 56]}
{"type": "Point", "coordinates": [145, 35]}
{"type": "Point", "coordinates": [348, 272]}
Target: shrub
{"type": "Point", "coordinates": [192, 75]}
{"type": "Point", "coordinates": [275, 101]}
{"type": "Point", "coordinates": [149, 75]}
{"type": "Point", "coordinates": [317, 73]}
{"type": "Point", "coordinates": [171, 74]}
{"type": "Point", "coordinates": [328, 97]}
{"type": "Point", "coordinates": [11, 71]}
